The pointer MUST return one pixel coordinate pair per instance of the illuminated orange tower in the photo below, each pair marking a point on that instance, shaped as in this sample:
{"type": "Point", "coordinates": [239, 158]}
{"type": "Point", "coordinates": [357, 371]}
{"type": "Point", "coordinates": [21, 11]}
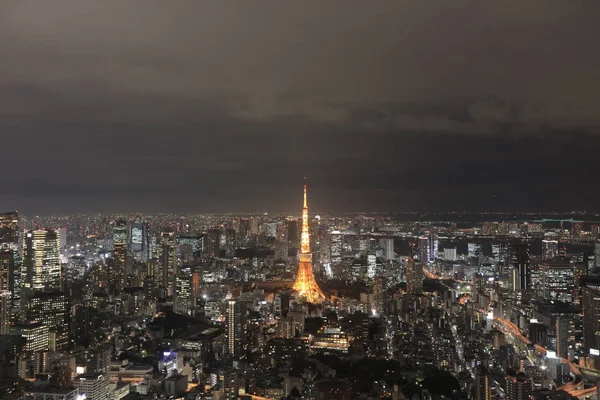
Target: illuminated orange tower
{"type": "Point", "coordinates": [305, 283]}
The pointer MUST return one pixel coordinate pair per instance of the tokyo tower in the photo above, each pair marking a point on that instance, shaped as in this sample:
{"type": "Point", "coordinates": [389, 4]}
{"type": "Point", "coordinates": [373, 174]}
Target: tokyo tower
{"type": "Point", "coordinates": [305, 284]}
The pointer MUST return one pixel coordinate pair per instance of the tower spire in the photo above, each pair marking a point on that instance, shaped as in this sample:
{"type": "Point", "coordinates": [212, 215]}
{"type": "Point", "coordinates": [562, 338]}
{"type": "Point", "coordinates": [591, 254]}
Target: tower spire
{"type": "Point", "coordinates": [305, 237]}
{"type": "Point", "coordinates": [305, 283]}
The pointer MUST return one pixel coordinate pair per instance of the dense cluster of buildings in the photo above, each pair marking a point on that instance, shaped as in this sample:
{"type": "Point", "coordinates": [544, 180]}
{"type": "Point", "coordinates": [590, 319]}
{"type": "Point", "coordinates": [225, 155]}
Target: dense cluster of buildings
{"type": "Point", "coordinates": [281, 307]}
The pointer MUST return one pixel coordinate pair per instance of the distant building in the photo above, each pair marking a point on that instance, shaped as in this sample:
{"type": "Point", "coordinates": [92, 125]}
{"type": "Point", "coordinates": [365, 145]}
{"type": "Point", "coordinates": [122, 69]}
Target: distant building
{"type": "Point", "coordinates": [549, 249]}
{"type": "Point", "coordinates": [450, 254]}
{"type": "Point", "coordinates": [387, 244]}
{"type": "Point", "coordinates": [335, 247]}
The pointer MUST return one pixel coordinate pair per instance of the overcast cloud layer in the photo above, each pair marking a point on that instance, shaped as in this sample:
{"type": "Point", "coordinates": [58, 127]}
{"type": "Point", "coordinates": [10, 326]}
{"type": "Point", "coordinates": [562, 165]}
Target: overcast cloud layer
{"type": "Point", "coordinates": [225, 105]}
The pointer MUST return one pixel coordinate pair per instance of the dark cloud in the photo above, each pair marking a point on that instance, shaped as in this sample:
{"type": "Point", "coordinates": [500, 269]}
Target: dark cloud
{"type": "Point", "coordinates": [391, 105]}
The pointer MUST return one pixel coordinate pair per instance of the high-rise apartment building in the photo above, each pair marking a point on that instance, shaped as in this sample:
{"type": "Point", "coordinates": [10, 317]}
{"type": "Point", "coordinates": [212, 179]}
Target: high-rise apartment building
{"type": "Point", "coordinates": [234, 323]}
{"type": "Point", "coordinates": [414, 277]}
{"type": "Point", "coordinates": [518, 386]}
{"type": "Point", "coordinates": [482, 388]}
{"type": "Point", "coordinates": [168, 260]}
{"type": "Point", "coordinates": [183, 293]}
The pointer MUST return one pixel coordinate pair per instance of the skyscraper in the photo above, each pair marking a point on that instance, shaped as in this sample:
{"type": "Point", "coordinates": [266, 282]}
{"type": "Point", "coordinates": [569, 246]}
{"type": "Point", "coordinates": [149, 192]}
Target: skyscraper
{"type": "Point", "coordinates": [234, 322]}
{"type": "Point", "coordinates": [424, 249]}
{"type": "Point", "coordinates": [414, 277]}
{"type": "Point", "coordinates": [41, 260]}
{"type": "Point", "coordinates": [168, 260]}
{"type": "Point", "coordinates": [387, 244]}
{"type": "Point", "coordinates": [305, 284]}
{"type": "Point", "coordinates": [591, 317]}
{"type": "Point", "coordinates": [183, 293]}
{"type": "Point", "coordinates": [9, 230]}
{"type": "Point", "coordinates": [335, 247]}
{"type": "Point", "coordinates": [138, 240]}
{"type": "Point", "coordinates": [117, 273]}
{"type": "Point", "coordinates": [52, 310]}
{"type": "Point", "coordinates": [521, 266]}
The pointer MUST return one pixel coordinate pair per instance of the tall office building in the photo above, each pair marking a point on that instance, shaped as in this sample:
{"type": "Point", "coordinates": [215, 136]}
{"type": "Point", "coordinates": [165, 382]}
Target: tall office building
{"type": "Point", "coordinates": [414, 277]}
{"type": "Point", "coordinates": [9, 230]}
{"type": "Point", "coordinates": [591, 317]}
{"type": "Point", "coordinates": [52, 310]}
{"type": "Point", "coordinates": [557, 275]}
{"type": "Point", "coordinates": [521, 265]}
{"type": "Point", "coordinates": [41, 260]}
{"type": "Point", "coordinates": [597, 254]}
{"type": "Point", "coordinates": [168, 260]}
{"type": "Point", "coordinates": [117, 270]}
{"type": "Point", "coordinates": [433, 247]}
{"type": "Point", "coordinates": [138, 240]}
{"type": "Point", "coordinates": [424, 249]}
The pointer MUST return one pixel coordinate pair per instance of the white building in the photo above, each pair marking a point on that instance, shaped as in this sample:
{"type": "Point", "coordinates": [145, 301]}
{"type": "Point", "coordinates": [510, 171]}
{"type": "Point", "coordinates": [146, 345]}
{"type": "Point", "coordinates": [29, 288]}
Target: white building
{"type": "Point", "coordinates": [93, 385]}
{"type": "Point", "coordinates": [450, 254]}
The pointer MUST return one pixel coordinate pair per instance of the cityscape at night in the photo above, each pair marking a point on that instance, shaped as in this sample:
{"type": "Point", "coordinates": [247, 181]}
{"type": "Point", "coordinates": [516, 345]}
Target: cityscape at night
{"type": "Point", "coordinates": [299, 200]}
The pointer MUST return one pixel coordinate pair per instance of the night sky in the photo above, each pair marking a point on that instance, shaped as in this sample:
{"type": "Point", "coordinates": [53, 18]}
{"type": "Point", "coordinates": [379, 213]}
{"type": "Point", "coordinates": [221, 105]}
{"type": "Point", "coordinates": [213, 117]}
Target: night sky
{"type": "Point", "coordinates": [397, 105]}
